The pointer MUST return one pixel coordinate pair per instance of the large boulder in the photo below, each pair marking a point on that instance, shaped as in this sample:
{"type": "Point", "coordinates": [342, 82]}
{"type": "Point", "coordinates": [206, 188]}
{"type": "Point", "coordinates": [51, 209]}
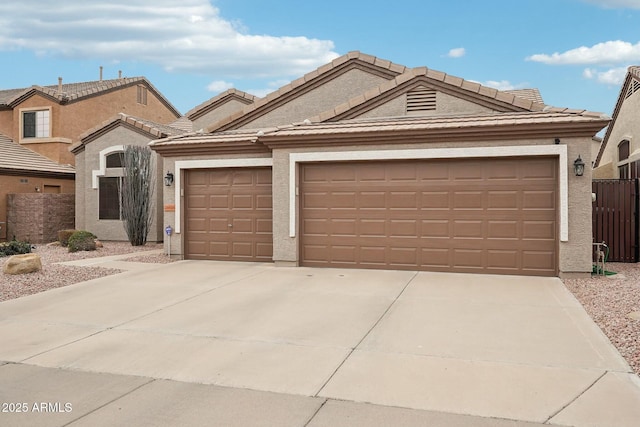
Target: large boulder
{"type": "Point", "coordinates": [22, 264]}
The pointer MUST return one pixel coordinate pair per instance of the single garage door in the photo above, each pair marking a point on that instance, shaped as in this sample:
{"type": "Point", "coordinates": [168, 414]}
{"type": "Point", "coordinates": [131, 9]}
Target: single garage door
{"type": "Point", "coordinates": [495, 216]}
{"type": "Point", "coordinates": [228, 214]}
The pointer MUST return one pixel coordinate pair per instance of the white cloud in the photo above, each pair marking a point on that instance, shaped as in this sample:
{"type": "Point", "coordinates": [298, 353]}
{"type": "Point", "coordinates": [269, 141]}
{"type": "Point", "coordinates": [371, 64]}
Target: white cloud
{"type": "Point", "coordinates": [271, 86]}
{"type": "Point", "coordinates": [502, 85]}
{"type": "Point", "coordinates": [613, 76]}
{"type": "Point", "coordinates": [616, 4]}
{"type": "Point", "coordinates": [610, 52]}
{"type": "Point", "coordinates": [189, 35]}
{"type": "Point", "coordinates": [219, 86]}
{"type": "Point", "coordinates": [458, 52]}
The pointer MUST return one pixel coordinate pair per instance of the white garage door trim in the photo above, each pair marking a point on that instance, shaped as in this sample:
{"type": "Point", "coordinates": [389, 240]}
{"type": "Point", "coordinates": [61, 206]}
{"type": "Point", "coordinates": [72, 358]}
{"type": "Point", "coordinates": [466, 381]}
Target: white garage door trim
{"type": "Point", "coordinates": [209, 164]}
{"type": "Point", "coordinates": [436, 153]}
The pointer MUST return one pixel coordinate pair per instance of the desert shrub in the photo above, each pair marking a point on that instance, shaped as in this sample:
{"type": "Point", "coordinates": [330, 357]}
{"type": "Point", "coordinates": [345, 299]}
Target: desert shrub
{"type": "Point", "coordinates": [63, 236]}
{"type": "Point", "coordinates": [14, 247]}
{"type": "Point", "coordinates": [82, 241]}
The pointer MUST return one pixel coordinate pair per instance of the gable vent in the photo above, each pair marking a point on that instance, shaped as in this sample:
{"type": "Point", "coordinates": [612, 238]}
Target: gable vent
{"type": "Point", "coordinates": [634, 86]}
{"type": "Point", "coordinates": [421, 99]}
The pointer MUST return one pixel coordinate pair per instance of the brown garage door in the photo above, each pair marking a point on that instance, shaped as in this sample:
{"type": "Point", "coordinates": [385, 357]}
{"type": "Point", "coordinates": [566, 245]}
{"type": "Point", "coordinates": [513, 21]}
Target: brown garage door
{"type": "Point", "coordinates": [228, 214]}
{"type": "Point", "coordinates": [494, 216]}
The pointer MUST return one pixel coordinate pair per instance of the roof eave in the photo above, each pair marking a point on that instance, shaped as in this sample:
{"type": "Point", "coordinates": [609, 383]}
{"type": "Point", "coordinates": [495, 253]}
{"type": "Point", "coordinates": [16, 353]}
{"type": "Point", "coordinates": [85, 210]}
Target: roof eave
{"type": "Point", "coordinates": [438, 134]}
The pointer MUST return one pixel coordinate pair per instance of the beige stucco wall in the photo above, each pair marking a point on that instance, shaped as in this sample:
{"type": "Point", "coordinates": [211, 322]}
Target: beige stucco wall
{"type": "Point", "coordinates": [445, 104]}
{"type": "Point", "coordinates": [626, 126]}
{"type": "Point", "coordinates": [335, 92]}
{"type": "Point", "coordinates": [218, 114]}
{"type": "Point", "coordinates": [87, 201]}
{"type": "Point", "coordinates": [574, 254]}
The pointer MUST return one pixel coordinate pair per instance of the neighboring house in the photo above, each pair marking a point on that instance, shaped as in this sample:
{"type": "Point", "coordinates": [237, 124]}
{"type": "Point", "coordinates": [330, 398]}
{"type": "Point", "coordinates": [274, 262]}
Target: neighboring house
{"type": "Point", "coordinates": [368, 164]}
{"type": "Point", "coordinates": [99, 171]}
{"type": "Point", "coordinates": [48, 119]}
{"type": "Point", "coordinates": [24, 171]}
{"type": "Point", "coordinates": [619, 153]}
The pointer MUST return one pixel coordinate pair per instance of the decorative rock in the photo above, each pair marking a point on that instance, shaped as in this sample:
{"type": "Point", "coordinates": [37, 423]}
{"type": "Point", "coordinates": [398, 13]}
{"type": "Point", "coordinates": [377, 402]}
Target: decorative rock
{"type": "Point", "coordinates": [99, 244]}
{"type": "Point", "coordinates": [22, 264]}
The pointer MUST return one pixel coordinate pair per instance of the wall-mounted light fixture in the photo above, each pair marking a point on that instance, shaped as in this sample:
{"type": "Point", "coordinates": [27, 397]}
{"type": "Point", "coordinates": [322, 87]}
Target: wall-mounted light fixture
{"type": "Point", "coordinates": [168, 179]}
{"type": "Point", "coordinates": [578, 166]}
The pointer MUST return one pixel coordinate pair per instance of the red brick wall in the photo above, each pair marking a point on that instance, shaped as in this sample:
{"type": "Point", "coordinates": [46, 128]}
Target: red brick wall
{"type": "Point", "coordinates": [37, 218]}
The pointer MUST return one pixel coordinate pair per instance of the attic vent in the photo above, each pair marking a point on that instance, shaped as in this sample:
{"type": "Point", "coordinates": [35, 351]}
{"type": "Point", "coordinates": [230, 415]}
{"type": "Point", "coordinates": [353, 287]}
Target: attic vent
{"type": "Point", "coordinates": [421, 99]}
{"type": "Point", "coordinates": [634, 86]}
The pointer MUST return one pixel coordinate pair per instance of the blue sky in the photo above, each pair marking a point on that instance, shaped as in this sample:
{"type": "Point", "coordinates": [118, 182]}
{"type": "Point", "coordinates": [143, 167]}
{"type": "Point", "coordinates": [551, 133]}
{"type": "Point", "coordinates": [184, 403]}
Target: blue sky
{"type": "Point", "coordinates": [574, 51]}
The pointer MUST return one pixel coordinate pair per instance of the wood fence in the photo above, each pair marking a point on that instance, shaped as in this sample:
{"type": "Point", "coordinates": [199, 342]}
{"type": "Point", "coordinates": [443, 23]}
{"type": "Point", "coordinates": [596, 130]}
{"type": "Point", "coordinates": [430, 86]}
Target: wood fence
{"type": "Point", "coordinates": [615, 217]}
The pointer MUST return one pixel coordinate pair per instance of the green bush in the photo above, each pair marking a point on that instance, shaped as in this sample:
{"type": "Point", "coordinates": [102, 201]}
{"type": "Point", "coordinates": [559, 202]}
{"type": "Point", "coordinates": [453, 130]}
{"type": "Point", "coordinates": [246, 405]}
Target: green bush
{"type": "Point", "coordinates": [82, 241]}
{"type": "Point", "coordinates": [14, 247]}
{"type": "Point", "coordinates": [63, 236]}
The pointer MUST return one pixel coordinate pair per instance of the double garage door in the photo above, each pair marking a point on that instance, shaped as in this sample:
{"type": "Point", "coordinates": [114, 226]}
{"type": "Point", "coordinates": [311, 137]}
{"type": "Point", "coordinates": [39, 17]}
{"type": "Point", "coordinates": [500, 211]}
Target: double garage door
{"type": "Point", "coordinates": [496, 216]}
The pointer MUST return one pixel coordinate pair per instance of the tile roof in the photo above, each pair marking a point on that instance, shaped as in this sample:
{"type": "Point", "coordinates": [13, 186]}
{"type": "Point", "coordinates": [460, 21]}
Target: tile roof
{"type": "Point", "coordinates": [556, 121]}
{"type": "Point", "coordinates": [200, 143]}
{"type": "Point", "coordinates": [532, 94]}
{"type": "Point", "coordinates": [155, 130]}
{"type": "Point", "coordinates": [183, 123]}
{"type": "Point", "coordinates": [389, 68]}
{"type": "Point", "coordinates": [15, 157]}
{"type": "Point", "coordinates": [504, 100]}
{"type": "Point", "coordinates": [71, 92]}
{"type": "Point", "coordinates": [548, 116]}
{"type": "Point", "coordinates": [219, 99]}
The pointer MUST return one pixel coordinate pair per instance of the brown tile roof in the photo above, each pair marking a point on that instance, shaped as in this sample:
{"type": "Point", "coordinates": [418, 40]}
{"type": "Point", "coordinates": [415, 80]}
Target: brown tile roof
{"type": "Point", "coordinates": [486, 120]}
{"type": "Point", "coordinates": [552, 123]}
{"type": "Point", "coordinates": [153, 129]}
{"type": "Point", "coordinates": [220, 142]}
{"type": "Point", "coordinates": [493, 98]}
{"type": "Point", "coordinates": [183, 123]}
{"type": "Point", "coordinates": [72, 92]}
{"type": "Point", "coordinates": [218, 100]}
{"type": "Point", "coordinates": [16, 158]}
{"type": "Point", "coordinates": [532, 94]}
{"type": "Point", "coordinates": [306, 82]}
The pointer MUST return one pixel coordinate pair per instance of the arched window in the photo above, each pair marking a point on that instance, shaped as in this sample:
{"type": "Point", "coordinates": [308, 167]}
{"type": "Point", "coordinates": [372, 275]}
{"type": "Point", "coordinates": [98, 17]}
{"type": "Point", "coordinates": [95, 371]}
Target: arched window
{"type": "Point", "coordinates": [115, 160]}
{"type": "Point", "coordinates": [109, 186]}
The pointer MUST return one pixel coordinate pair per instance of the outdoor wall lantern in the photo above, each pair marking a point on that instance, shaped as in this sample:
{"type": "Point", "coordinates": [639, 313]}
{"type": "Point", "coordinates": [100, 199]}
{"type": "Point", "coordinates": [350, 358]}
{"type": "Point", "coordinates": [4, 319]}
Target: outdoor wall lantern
{"type": "Point", "coordinates": [578, 166]}
{"type": "Point", "coordinates": [168, 179]}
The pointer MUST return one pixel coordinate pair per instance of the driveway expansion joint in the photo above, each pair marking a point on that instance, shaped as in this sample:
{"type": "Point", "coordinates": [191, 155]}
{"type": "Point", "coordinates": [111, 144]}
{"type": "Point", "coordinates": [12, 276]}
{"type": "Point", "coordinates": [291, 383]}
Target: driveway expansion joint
{"type": "Point", "coordinates": [548, 420]}
{"type": "Point", "coordinates": [366, 334]}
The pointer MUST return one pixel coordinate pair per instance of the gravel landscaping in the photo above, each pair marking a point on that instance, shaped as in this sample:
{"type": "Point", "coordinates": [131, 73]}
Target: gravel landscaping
{"type": "Point", "coordinates": [55, 275]}
{"type": "Point", "coordinates": [613, 302]}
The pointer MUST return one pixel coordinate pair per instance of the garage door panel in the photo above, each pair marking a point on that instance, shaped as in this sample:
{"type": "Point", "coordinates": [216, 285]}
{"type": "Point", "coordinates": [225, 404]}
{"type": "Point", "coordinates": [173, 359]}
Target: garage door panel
{"type": "Point", "coordinates": [538, 230]}
{"type": "Point", "coordinates": [373, 255]}
{"type": "Point", "coordinates": [539, 200]}
{"type": "Point", "coordinates": [438, 257]}
{"type": "Point", "coordinates": [443, 215]}
{"type": "Point", "coordinates": [235, 220]}
{"type": "Point", "coordinates": [503, 200]}
{"type": "Point", "coordinates": [467, 200]}
{"type": "Point", "coordinates": [505, 260]}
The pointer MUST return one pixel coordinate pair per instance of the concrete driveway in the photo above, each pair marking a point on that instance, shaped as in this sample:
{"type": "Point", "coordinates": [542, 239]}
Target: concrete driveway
{"type": "Point", "coordinates": [221, 343]}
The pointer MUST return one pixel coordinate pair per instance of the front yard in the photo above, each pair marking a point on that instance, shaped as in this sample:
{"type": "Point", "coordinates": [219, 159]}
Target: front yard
{"type": "Point", "coordinates": [612, 302]}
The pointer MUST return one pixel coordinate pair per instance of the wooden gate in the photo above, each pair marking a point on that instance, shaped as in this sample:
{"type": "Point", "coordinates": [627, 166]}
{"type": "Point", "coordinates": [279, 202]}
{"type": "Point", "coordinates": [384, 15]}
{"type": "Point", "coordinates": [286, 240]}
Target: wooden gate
{"type": "Point", "coordinates": [615, 217]}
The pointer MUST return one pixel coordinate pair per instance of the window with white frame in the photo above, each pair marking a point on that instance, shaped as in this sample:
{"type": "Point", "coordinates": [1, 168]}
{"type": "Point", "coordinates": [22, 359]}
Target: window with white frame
{"type": "Point", "coordinates": [109, 186]}
{"type": "Point", "coordinates": [36, 124]}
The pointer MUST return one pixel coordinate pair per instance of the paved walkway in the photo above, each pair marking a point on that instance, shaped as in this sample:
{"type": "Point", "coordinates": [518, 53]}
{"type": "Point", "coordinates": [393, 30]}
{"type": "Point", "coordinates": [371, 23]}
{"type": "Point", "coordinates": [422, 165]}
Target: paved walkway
{"type": "Point", "coordinates": [215, 343]}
